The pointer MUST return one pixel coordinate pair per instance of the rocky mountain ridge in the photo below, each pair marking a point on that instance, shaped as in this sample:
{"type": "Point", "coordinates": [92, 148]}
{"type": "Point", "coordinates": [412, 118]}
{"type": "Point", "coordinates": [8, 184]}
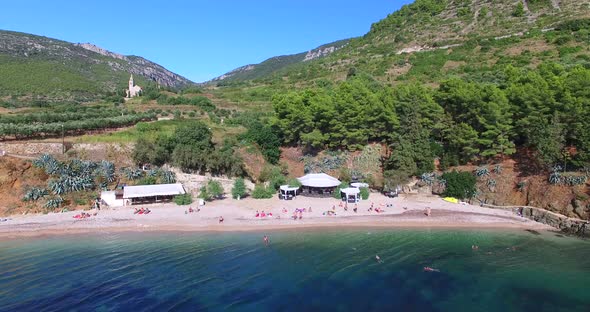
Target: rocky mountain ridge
{"type": "Point", "coordinates": [72, 68]}
{"type": "Point", "coordinates": [276, 63]}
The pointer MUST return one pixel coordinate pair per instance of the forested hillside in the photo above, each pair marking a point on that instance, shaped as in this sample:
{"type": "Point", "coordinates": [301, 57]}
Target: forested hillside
{"type": "Point", "coordinates": [461, 121]}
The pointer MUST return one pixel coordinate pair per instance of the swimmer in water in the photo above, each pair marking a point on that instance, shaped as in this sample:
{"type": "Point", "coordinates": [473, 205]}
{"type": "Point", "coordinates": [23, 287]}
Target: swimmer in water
{"type": "Point", "coordinates": [429, 269]}
{"type": "Point", "coordinates": [266, 240]}
{"type": "Point", "coordinates": [378, 259]}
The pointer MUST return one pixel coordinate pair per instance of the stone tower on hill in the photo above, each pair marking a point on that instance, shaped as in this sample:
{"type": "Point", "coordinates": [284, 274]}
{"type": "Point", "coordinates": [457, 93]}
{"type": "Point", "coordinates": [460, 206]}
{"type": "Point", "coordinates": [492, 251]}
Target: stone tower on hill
{"type": "Point", "coordinates": [133, 89]}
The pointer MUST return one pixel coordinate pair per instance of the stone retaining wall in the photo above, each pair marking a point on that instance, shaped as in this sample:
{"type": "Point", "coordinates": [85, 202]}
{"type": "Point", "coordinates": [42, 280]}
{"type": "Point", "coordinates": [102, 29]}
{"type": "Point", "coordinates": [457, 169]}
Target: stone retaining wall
{"type": "Point", "coordinates": [565, 224]}
{"type": "Point", "coordinates": [31, 149]}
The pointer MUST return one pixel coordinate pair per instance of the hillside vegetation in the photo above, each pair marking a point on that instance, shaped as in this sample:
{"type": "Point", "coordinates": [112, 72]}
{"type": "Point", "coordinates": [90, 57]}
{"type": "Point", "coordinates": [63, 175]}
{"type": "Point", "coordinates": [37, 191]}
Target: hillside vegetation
{"type": "Point", "coordinates": [430, 40]}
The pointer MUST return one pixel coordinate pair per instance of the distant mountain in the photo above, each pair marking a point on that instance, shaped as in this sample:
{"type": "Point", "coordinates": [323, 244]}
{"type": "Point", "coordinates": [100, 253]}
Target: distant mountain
{"type": "Point", "coordinates": [274, 64]}
{"type": "Point", "coordinates": [55, 69]}
{"type": "Point", "coordinates": [429, 40]}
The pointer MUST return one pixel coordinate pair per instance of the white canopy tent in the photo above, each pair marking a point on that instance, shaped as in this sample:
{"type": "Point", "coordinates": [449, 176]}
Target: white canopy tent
{"type": "Point", "coordinates": [287, 192]}
{"type": "Point", "coordinates": [318, 184]}
{"type": "Point", "coordinates": [352, 194]}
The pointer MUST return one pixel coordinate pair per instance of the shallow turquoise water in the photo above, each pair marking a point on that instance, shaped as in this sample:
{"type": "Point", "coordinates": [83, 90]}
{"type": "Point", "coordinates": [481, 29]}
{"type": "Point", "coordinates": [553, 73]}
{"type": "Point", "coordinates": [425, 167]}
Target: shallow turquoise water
{"type": "Point", "coordinates": [299, 271]}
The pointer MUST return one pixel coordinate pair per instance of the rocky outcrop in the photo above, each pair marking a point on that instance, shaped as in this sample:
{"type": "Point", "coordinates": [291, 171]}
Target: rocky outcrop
{"type": "Point", "coordinates": [317, 53]}
{"type": "Point", "coordinates": [567, 225]}
{"type": "Point", "coordinates": [99, 50]}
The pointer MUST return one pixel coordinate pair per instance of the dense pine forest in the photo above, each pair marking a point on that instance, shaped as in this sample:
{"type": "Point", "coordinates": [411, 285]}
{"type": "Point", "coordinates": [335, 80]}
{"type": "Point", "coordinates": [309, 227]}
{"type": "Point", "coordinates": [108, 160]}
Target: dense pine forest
{"type": "Point", "coordinates": [544, 109]}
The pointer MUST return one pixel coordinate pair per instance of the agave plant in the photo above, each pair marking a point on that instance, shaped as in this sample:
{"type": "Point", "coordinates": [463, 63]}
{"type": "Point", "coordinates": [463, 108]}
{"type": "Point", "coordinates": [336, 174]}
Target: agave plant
{"type": "Point", "coordinates": [498, 169]}
{"type": "Point", "coordinates": [575, 180]}
{"type": "Point", "coordinates": [154, 172]}
{"type": "Point", "coordinates": [168, 176]}
{"type": "Point", "coordinates": [54, 202]}
{"type": "Point", "coordinates": [428, 178]}
{"type": "Point", "coordinates": [57, 187]}
{"type": "Point", "coordinates": [482, 171]}
{"type": "Point", "coordinates": [133, 173]}
{"type": "Point", "coordinates": [48, 163]}
{"type": "Point", "coordinates": [106, 170]}
{"type": "Point", "coordinates": [43, 160]}
{"type": "Point", "coordinates": [35, 194]}
{"type": "Point", "coordinates": [555, 177]}
{"type": "Point", "coordinates": [491, 184]}
{"type": "Point", "coordinates": [556, 168]}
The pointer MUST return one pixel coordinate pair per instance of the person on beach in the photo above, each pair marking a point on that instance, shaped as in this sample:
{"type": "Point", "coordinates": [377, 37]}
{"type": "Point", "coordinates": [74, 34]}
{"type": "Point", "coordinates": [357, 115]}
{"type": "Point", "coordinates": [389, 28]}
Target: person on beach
{"type": "Point", "coordinates": [262, 214]}
{"type": "Point", "coordinates": [309, 209]}
{"type": "Point", "coordinates": [428, 211]}
{"type": "Point", "coordinates": [257, 214]}
{"type": "Point", "coordinates": [300, 214]}
{"type": "Point", "coordinates": [295, 214]}
{"type": "Point", "coordinates": [220, 219]}
{"type": "Point", "coordinates": [355, 209]}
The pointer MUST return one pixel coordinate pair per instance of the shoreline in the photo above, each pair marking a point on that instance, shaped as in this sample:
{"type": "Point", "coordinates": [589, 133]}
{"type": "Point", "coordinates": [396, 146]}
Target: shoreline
{"type": "Point", "coordinates": [239, 216]}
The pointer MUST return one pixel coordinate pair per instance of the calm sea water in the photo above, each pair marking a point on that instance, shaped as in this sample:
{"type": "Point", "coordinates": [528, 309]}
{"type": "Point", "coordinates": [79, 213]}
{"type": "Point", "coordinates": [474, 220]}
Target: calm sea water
{"type": "Point", "coordinates": [299, 271]}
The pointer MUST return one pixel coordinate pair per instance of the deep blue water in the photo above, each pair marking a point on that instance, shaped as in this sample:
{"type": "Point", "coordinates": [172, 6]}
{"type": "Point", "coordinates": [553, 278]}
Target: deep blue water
{"type": "Point", "coordinates": [315, 270]}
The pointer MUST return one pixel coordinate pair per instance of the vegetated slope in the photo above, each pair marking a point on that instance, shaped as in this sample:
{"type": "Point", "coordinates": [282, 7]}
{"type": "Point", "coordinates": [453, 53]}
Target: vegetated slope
{"type": "Point", "coordinates": [429, 40]}
{"type": "Point", "coordinates": [271, 65]}
{"type": "Point", "coordinates": [57, 70]}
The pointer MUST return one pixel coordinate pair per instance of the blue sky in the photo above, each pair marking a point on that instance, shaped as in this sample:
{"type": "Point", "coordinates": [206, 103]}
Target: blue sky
{"type": "Point", "coordinates": [198, 39]}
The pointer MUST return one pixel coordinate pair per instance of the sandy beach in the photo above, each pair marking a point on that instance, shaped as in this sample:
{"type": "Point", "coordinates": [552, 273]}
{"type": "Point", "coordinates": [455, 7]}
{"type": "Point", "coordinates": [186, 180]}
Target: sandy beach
{"type": "Point", "coordinates": [404, 211]}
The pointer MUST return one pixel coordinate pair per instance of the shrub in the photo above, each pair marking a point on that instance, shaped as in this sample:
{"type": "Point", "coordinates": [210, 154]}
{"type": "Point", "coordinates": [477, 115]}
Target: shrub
{"type": "Point", "coordinates": [459, 184]}
{"type": "Point", "coordinates": [184, 199]}
{"type": "Point", "coordinates": [364, 193]}
{"type": "Point", "coordinates": [214, 188]}
{"type": "Point", "coordinates": [147, 180]}
{"type": "Point", "coordinates": [260, 191]}
{"type": "Point", "coordinates": [203, 193]}
{"type": "Point", "coordinates": [239, 189]}
{"type": "Point", "coordinates": [337, 194]}
{"type": "Point", "coordinates": [293, 182]}
{"type": "Point", "coordinates": [518, 10]}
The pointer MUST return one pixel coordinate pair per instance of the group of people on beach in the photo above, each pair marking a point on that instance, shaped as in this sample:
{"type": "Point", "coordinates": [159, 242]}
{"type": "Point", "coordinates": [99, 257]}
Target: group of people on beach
{"type": "Point", "coordinates": [83, 215]}
{"type": "Point", "coordinates": [263, 214]}
{"type": "Point", "coordinates": [191, 210]}
{"type": "Point", "coordinates": [298, 213]}
{"type": "Point", "coordinates": [142, 211]}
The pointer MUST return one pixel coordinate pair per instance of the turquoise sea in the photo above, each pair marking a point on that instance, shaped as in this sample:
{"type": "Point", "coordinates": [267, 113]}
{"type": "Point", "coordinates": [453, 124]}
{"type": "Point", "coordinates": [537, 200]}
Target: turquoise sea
{"type": "Point", "coordinates": [311, 270]}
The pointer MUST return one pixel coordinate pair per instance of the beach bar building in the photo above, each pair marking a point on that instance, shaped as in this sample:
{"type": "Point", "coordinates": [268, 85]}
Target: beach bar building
{"type": "Point", "coordinates": [288, 192]}
{"type": "Point", "coordinates": [142, 194]}
{"type": "Point", "coordinates": [318, 184]}
{"type": "Point", "coordinates": [350, 194]}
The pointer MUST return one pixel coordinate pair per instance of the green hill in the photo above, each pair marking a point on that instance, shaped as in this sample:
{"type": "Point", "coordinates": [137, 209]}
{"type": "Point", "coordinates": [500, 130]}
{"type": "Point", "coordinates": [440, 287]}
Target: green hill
{"type": "Point", "coordinates": [39, 67]}
{"type": "Point", "coordinates": [430, 40]}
